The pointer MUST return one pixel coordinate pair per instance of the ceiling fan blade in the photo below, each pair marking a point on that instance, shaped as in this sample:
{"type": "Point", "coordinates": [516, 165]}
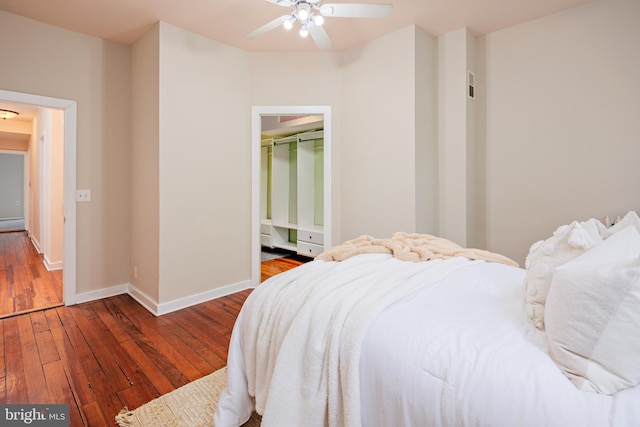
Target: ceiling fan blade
{"type": "Point", "coordinates": [356, 10]}
{"type": "Point", "coordinates": [266, 27]}
{"type": "Point", "coordinates": [285, 3]}
{"type": "Point", "coordinates": [320, 37]}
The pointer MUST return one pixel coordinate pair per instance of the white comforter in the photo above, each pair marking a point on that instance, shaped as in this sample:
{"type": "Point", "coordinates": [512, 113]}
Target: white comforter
{"type": "Point", "coordinates": [458, 351]}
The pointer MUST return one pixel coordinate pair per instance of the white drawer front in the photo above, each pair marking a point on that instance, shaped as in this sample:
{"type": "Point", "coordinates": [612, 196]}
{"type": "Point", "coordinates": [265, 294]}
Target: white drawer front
{"type": "Point", "coordinates": [265, 240]}
{"type": "Point", "coordinates": [265, 228]}
{"type": "Point", "coordinates": [309, 249]}
{"type": "Point", "coordinates": [309, 236]}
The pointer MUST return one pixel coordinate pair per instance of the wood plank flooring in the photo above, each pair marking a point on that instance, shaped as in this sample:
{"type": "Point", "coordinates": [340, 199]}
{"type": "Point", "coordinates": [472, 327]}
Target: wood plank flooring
{"type": "Point", "coordinates": [25, 283]}
{"type": "Point", "coordinates": [101, 356]}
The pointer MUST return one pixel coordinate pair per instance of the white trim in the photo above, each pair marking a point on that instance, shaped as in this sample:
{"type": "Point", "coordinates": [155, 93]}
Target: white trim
{"type": "Point", "coordinates": [51, 266]}
{"type": "Point", "coordinates": [145, 300]}
{"type": "Point", "coordinates": [26, 206]}
{"type": "Point", "coordinates": [44, 185]}
{"type": "Point", "coordinates": [192, 300]}
{"type": "Point", "coordinates": [256, 124]}
{"type": "Point", "coordinates": [70, 129]}
{"type": "Point", "coordinates": [159, 309]}
{"type": "Point", "coordinates": [34, 242]}
{"type": "Point", "coordinates": [102, 293]}
{"type": "Point", "coordinates": [70, 140]}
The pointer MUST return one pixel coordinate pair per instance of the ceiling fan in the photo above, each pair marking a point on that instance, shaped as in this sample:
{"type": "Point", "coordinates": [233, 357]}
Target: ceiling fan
{"type": "Point", "coordinates": [310, 14]}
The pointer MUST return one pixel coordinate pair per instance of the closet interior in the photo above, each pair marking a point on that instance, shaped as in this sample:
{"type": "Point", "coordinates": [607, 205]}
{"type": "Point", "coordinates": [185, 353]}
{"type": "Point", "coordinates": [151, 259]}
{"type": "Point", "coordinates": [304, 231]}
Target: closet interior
{"type": "Point", "coordinates": [292, 186]}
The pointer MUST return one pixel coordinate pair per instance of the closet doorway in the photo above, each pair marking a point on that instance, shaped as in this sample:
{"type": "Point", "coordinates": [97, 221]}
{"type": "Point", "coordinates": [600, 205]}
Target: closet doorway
{"type": "Point", "coordinates": [291, 181]}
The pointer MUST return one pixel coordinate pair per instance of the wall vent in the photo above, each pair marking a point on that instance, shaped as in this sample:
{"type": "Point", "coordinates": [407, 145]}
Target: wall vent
{"type": "Point", "coordinates": [471, 85]}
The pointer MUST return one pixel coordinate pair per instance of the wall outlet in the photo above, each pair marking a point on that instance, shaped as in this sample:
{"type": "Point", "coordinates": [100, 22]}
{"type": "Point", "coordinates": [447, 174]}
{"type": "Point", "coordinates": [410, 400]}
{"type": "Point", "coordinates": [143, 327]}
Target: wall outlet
{"type": "Point", "coordinates": [135, 272]}
{"type": "Point", "coordinates": [83, 195]}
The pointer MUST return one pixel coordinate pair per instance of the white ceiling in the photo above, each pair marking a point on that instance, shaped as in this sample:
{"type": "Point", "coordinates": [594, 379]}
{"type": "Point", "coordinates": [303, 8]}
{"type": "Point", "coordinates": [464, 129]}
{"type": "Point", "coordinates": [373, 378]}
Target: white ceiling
{"type": "Point", "coordinates": [227, 21]}
{"type": "Point", "coordinates": [8, 129]}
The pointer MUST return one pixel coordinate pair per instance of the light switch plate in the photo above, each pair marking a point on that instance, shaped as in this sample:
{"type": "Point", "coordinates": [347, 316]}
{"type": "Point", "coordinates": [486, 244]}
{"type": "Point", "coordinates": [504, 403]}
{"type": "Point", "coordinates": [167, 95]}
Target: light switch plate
{"type": "Point", "coordinates": [83, 195]}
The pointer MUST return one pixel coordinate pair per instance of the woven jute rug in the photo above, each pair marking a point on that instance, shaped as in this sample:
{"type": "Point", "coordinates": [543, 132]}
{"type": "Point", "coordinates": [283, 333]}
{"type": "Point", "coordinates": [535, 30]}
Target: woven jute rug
{"type": "Point", "coordinates": [191, 405]}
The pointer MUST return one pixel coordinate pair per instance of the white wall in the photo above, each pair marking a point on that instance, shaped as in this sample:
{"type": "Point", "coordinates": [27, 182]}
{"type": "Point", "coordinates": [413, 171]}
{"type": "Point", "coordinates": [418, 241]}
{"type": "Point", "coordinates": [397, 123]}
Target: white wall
{"type": "Point", "coordinates": [563, 103]}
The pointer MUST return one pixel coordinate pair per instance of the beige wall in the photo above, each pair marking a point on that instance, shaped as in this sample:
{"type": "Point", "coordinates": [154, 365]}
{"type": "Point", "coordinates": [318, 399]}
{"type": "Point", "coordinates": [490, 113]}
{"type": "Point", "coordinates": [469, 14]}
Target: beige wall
{"type": "Point", "coordinates": [379, 145]}
{"type": "Point", "coordinates": [205, 165]}
{"type": "Point", "coordinates": [58, 63]}
{"type": "Point", "coordinates": [55, 253]}
{"type": "Point", "coordinates": [563, 103]}
{"type": "Point", "coordinates": [454, 135]}
{"type": "Point", "coordinates": [6, 144]}
{"type": "Point", "coordinates": [41, 124]}
{"type": "Point", "coordinates": [144, 152]}
{"type": "Point", "coordinates": [426, 131]}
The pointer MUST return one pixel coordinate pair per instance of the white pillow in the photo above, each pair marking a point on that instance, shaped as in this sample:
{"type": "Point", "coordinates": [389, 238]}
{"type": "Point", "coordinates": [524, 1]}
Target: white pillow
{"type": "Point", "coordinates": [630, 219]}
{"type": "Point", "coordinates": [593, 316]}
{"type": "Point", "coordinates": [567, 243]}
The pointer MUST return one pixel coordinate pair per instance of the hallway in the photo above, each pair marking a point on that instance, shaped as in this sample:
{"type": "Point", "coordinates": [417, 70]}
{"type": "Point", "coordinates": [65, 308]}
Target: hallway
{"type": "Point", "coordinates": [25, 284]}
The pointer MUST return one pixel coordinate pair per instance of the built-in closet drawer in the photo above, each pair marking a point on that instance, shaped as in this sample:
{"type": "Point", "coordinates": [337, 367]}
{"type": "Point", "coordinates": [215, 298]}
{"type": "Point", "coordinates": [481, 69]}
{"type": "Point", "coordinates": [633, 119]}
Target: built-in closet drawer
{"type": "Point", "coordinates": [265, 240]}
{"type": "Point", "coordinates": [309, 249]}
{"type": "Point", "coordinates": [311, 236]}
{"type": "Point", "coordinates": [265, 227]}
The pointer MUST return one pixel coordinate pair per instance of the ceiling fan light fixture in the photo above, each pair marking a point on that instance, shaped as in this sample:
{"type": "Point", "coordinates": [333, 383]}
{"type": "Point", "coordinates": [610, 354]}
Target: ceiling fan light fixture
{"type": "Point", "coordinates": [317, 19]}
{"type": "Point", "coordinates": [304, 10]}
{"type": "Point", "coordinates": [7, 114]}
{"type": "Point", "coordinates": [311, 14]}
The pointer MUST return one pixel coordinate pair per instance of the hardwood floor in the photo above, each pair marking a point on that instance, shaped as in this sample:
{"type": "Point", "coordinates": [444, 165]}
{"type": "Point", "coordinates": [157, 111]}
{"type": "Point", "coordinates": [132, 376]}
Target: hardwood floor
{"type": "Point", "coordinates": [273, 267]}
{"type": "Point", "coordinates": [25, 283]}
{"type": "Point", "coordinates": [103, 355]}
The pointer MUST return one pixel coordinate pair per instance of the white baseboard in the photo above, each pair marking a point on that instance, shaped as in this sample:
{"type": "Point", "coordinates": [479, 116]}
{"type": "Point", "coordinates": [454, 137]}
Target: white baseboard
{"type": "Point", "coordinates": [102, 293]}
{"type": "Point", "coordinates": [189, 301]}
{"type": "Point", "coordinates": [145, 300]}
{"type": "Point", "coordinates": [51, 266]}
{"type": "Point", "coordinates": [159, 309]}
{"type": "Point", "coordinates": [34, 242]}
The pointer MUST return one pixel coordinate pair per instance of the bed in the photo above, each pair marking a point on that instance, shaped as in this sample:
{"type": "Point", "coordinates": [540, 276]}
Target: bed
{"type": "Point", "coordinates": [378, 339]}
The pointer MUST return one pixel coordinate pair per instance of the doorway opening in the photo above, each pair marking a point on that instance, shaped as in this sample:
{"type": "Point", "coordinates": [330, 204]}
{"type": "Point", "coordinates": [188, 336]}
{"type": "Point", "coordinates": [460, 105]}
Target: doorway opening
{"type": "Point", "coordinates": [292, 170]}
{"type": "Point", "coordinates": [68, 110]}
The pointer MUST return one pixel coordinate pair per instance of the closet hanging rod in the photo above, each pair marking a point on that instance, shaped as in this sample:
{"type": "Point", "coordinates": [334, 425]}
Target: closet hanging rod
{"type": "Point", "coordinates": [285, 141]}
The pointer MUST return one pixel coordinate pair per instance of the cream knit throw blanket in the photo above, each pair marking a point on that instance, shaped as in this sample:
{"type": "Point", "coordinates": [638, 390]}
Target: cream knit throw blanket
{"type": "Point", "coordinates": [410, 247]}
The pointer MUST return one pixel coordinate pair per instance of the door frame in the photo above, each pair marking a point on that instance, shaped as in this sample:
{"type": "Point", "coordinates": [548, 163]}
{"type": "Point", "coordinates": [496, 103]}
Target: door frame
{"type": "Point", "coordinates": [256, 129]}
{"type": "Point", "coordinates": [70, 109]}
